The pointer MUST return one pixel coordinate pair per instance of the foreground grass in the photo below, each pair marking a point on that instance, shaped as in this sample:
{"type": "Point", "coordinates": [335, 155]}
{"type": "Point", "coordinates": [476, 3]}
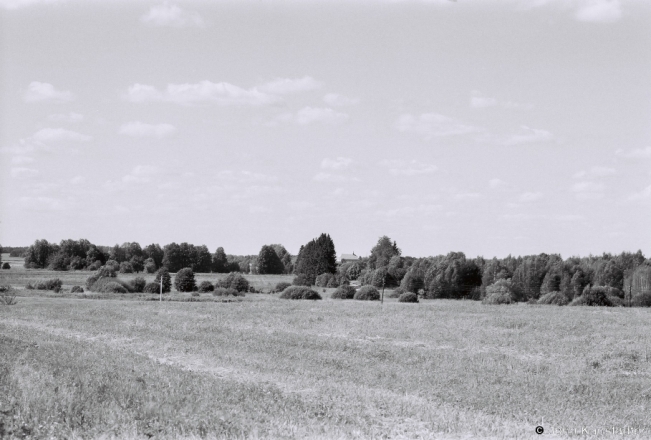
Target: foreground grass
{"type": "Point", "coordinates": [270, 368]}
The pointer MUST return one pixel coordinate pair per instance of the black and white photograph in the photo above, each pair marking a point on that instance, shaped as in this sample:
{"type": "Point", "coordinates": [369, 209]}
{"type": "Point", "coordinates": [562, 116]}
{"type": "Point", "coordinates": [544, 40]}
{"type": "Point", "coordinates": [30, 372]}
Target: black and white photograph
{"type": "Point", "coordinates": [325, 219]}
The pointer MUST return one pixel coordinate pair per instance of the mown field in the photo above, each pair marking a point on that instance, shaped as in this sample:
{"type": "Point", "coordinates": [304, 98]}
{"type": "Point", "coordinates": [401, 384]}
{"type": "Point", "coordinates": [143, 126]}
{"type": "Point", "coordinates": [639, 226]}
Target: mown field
{"type": "Point", "coordinates": [270, 368]}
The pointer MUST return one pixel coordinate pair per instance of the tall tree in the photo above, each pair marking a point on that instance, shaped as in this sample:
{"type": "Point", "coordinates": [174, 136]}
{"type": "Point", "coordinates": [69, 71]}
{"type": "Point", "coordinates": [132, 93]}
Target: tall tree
{"type": "Point", "coordinates": [382, 252]}
{"type": "Point", "coordinates": [203, 261]}
{"type": "Point", "coordinates": [317, 257]}
{"type": "Point", "coordinates": [172, 257]}
{"type": "Point", "coordinates": [220, 261]}
{"type": "Point", "coordinates": [268, 261]}
{"type": "Point", "coordinates": [155, 252]}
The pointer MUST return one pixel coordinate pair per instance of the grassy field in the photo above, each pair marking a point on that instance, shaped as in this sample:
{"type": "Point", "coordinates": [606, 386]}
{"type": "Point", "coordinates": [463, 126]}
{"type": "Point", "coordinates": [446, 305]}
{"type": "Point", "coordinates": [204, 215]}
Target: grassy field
{"type": "Point", "coordinates": [270, 368]}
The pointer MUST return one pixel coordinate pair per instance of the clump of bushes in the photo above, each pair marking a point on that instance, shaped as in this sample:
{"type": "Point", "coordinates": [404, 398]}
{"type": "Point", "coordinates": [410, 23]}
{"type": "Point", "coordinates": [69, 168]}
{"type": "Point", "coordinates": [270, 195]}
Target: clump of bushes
{"type": "Point", "coordinates": [281, 286]}
{"type": "Point", "coordinates": [398, 292]}
{"type": "Point", "coordinates": [235, 281]}
{"type": "Point", "coordinates": [500, 292]}
{"type": "Point", "coordinates": [408, 297]}
{"type": "Point", "coordinates": [51, 284]}
{"type": "Point", "coordinates": [498, 298]}
{"type": "Point", "coordinates": [642, 300]}
{"type": "Point", "coordinates": [139, 284]}
{"type": "Point", "coordinates": [343, 292]}
{"type": "Point", "coordinates": [77, 289]}
{"type": "Point", "coordinates": [102, 272]}
{"type": "Point", "coordinates": [617, 301]}
{"type": "Point", "coordinates": [226, 291]}
{"type": "Point", "coordinates": [206, 286]}
{"type": "Point", "coordinates": [299, 292]}
{"type": "Point", "coordinates": [326, 280]}
{"type": "Point", "coordinates": [555, 298]}
{"type": "Point", "coordinates": [184, 280]}
{"type": "Point", "coordinates": [6, 265]}
{"type": "Point", "coordinates": [150, 265]}
{"type": "Point", "coordinates": [302, 280]}
{"type": "Point", "coordinates": [167, 279]}
{"type": "Point", "coordinates": [593, 296]}
{"type": "Point", "coordinates": [111, 287]}
{"type": "Point", "coordinates": [126, 267]}
{"type": "Point", "coordinates": [367, 293]}
{"type": "Point", "coordinates": [152, 288]}
{"type": "Point", "coordinates": [7, 295]}
{"type": "Point", "coordinates": [113, 264]}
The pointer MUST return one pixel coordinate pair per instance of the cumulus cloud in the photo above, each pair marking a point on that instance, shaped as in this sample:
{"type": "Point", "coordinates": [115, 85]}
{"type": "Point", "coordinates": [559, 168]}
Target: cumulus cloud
{"type": "Point", "coordinates": [642, 195]}
{"type": "Point", "coordinates": [70, 117]}
{"type": "Point", "coordinates": [221, 93]}
{"type": "Point", "coordinates": [282, 86]}
{"type": "Point", "coordinates": [311, 115]}
{"type": "Point", "coordinates": [339, 163]}
{"type": "Point", "coordinates": [496, 183]}
{"type": "Point", "coordinates": [141, 174]}
{"type": "Point", "coordinates": [596, 171]}
{"type": "Point", "coordinates": [420, 210]}
{"type": "Point", "coordinates": [530, 196]}
{"type": "Point", "coordinates": [245, 176]}
{"type": "Point", "coordinates": [77, 180]}
{"type": "Point", "coordinates": [635, 153]}
{"type": "Point", "coordinates": [588, 190]}
{"type": "Point", "coordinates": [140, 129]}
{"type": "Point", "coordinates": [478, 100]}
{"type": "Point", "coordinates": [19, 160]}
{"type": "Point", "coordinates": [529, 136]}
{"type": "Point", "coordinates": [23, 173]}
{"type": "Point", "coordinates": [408, 168]}
{"type": "Point", "coordinates": [430, 125]}
{"type": "Point", "coordinates": [599, 11]}
{"type": "Point", "coordinates": [42, 203]}
{"type": "Point", "coordinates": [171, 15]}
{"type": "Point", "coordinates": [336, 100]}
{"type": "Point", "coordinates": [40, 92]}
{"type": "Point", "coordinates": [333, 178]}
{"type": "Point", "coordinates": [59, 135]}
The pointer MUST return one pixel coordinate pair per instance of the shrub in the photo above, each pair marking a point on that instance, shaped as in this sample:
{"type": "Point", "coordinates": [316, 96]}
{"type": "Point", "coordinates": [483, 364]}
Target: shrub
{"type": "Point", "coordinates": [206, 286]}
{"type": "Point", "coordinates": [397, 292]}
{"type": "Point", "coordinates": [6, 265]}
{"type": "Point", "coordinates": [326, 280]}
{"type": "Point", "coordinates": [114, 264]}
{"type": "Point", "coordinates": [152, 288]}
{"type": "Point", "coordinates": [343, 292]}
{"type": "Point", "coordinates": [94, 265]}
{"type": "Point", "coordinates": [184, 280]}
{"type": "Point", "coordinates": [579, 301]}
{"type": "Point", "coordinates": [642, 300]}
{"type": "Point", "coordinates": [77, 289]}
{"type": "Point", "coordinates": [167, 280]}
{"type": "Point", "coordinates": [226, 291]}
{"type": "Point", "coordinates": [150, 265]}
{"type": "Point", "coordinates": [593, 296]}
{"type": "Point", "coordinates": [102, 272]}
{"type": "Point", "coordinates": [112, 287]}
{"type": "Point", "coordinates": [299, 292]}
{"type": "Point", "coordinates": [51, 284]}
{"type": "Point", "coordinates": [408, 297]}
{"type": "Point", "coordinates": [302, 280]}
{"type": "Point", "coordinates": [555, 298]}
{"type": "Point", "coordinates": [139, 284]}
{"type": "Point", "coordinates": [235, 281]}
{"type": "Point", "coordinates": [195, 294]}
{"type": "Point", "coordinates": [7, 295]}
{"type": "Point", "coordinates": [498, 298]}
{"type": "Point", "coordinates": [281, 286]}
{"type": "Point", "coordinates": [126, 267]}
{"type": "Point", "coordinates": [617, 301]}
{"type": "Point", "coordinates": [367, 293]}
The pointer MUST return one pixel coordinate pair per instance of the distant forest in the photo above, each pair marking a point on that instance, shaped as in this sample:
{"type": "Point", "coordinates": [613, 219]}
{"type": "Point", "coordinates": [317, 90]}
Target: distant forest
{"type": "Point", "coordinates": [444, 276]}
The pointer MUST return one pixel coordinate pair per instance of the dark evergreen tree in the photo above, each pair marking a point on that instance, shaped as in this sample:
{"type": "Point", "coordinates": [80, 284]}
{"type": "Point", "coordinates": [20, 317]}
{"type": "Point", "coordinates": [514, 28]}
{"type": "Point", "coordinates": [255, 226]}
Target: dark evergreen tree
{"type": "Point", "coordinates": [220, 261]}
{"type": "Point", "coordinates": [269, 262]}
{"type": "Point", "coordinates": [317, 257]}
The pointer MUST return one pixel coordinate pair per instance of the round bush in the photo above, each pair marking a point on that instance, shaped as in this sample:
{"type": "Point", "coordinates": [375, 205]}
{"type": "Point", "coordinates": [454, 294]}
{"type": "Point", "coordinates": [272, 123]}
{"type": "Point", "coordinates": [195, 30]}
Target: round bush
{"type": "Point", "coordinates": [498, 298]}
{"type": "Point", "coordinates": [555, 298]}
{"type": "Point", "coordinates": [6, 265]}
{"type": "Point", "coordinates": [226, 291]}
{"type": "Point", "coordinates": [235, 281]}
{"type": "Point", "coordinates": [196, 294]}
{"type": "Point", "coordinates": [206, 286]}
{"type": "Point", "coordinates": [408, 297]}
{"type": "Point", "coordinates": [281, 286]}
{"type": "Point", "coordinates": [299, 292]}
{"type": "Point", "coordinates": [617, 301]}
{"type": "Point", "coordinates": [593, 296]}
{"type": "Point", "coordinates": [642, 300]}
{"type": "Point", "coordinates": [102, 272]}
{"type": "Point", "coordinates": [150, 265]}
{"type": "Point", "coordinates": [184, 280]}
{"type": "Point", "coordinates": [113, 287]}
{"type": "Point", "coordinates": [152, 288]}
{"type": "Point", "coordinates": [126, 267]}
{"type": "Point", "coordinates": [167, 279]}
{"type": "Point", "coordinates": [343, 292]}
{"type": "Point", "coordinates": [77, 289]}
{"type": "Point", "coordinates": [114, 264]}
{"type": "Point", "coordinates": [367, 293]}
{"type": "Point", "coordinates": [398, 292]}
{"type": "Point", "coordinates": [139, 284]}
{"type": "Point", "coordinates": [100, 285]}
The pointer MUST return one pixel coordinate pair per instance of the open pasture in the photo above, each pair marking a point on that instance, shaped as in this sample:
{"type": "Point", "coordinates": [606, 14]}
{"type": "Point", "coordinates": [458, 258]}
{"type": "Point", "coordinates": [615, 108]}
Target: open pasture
{"type": "Point", "coordinates": [271, 368]}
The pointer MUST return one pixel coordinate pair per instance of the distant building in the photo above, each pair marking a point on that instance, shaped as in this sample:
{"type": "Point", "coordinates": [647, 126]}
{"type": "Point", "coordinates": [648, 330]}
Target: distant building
{"type": "Point", "coordinates": [349, 258]}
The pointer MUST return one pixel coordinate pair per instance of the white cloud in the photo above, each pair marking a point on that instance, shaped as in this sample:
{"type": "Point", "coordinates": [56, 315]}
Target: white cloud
{"type": "Point", "coordinates": [171, 15]}
{"type": "Point", "coordinates": [568, 217]}
{"type": "Point", "coordinates": [245, 177]}
{"type": "Point", "coordinates": [70, 117]}
{"type": "Point", "coordinates": [431, 125]}
{"type": "Point", "coordinates": [528, 136]}
{"type": "Point", "coordinates": [467, 196]}
{"type": "Point", "coordinates": [635, 153]}
{"type": "Point", "coordinates": [644, 194]}
{"type": "Point", "coordinates": [42, 203]}
{"type": "Point", "coordinates": [17, 4]}
{"type": "Point", "coordinates": [310, 115]}
{"type": "Point", "coordinates": [140, 129]}
{"type": "Point", "coordinates": [39, 92]}
{"type": "Point", "coordinates": [336, 164]}
{"type": "Point", "coordinates": [141, 174]}
{"type": "Point", "coordinates": [420, 210]}
{"type": "Point", "coordinates": [221, 93]}
{"type": "Point", "coordinates": [19, 160]}
{"type": "Point", "coordinates": [281, 86]}
{"type": "Point", "coordinates": [77, 180]}
{"type": "Point", "coordinates": [587, 186]}
{"type": "Point", "coordinates": [59, 134]}
{"type": "Point", "coordinates": [336, 100]}
{"type": "Point", "coordinates": [23, 173]}
{"type": "Point", "coordinates": [496, 183]}
{"type": "Point", "coordinates": [599, 11]}
{"type": "Point", "coordinates": [478, 100]}
{"type": "Point", "coordinates": [408, 168]}
{"type": "Point", "coordinates": [530, 196]}
{"type": "Point", "coordinates": [334, 178]}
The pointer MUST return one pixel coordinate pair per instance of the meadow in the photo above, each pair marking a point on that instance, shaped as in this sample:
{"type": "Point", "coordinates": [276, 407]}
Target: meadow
{"type": "Point", "coordinates": [264, 367]}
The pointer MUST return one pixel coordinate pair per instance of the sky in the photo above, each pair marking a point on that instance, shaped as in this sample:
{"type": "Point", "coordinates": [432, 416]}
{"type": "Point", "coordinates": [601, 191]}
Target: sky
{"type": "Point", "coordinates": [486, 127]}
